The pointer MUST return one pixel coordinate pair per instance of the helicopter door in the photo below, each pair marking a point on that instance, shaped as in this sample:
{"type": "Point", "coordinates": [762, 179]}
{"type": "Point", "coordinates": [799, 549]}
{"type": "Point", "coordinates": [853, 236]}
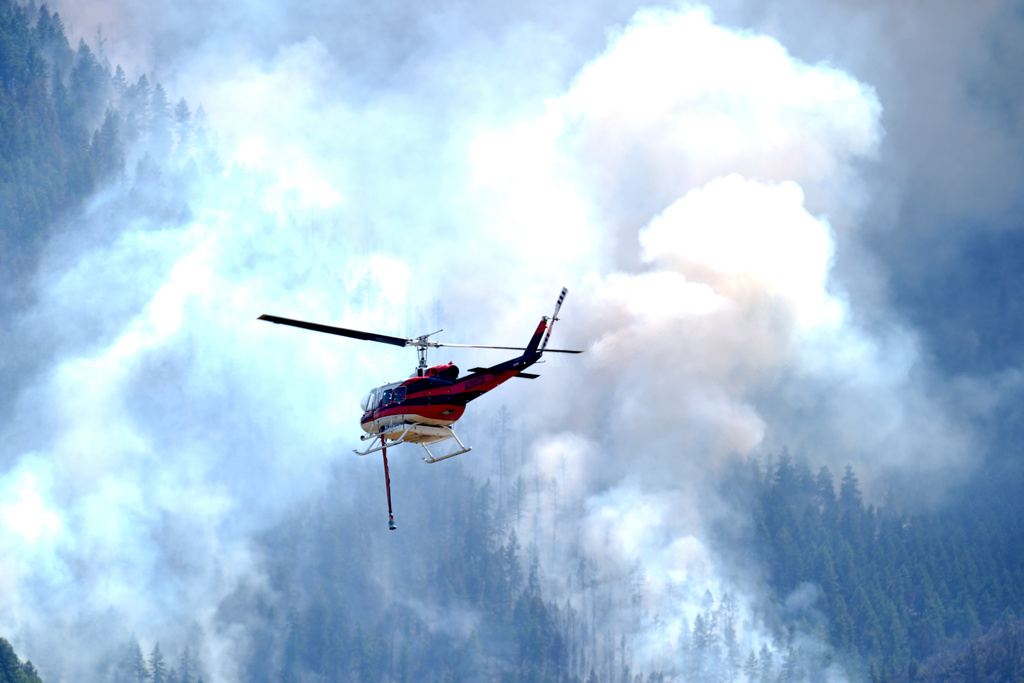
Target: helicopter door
{"type": "Point", "coordinates": [371, 401]}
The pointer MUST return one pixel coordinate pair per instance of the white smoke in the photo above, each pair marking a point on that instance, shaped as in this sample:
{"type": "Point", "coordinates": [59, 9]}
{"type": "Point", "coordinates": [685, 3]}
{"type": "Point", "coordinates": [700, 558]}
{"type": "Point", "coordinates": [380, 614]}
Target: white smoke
{"type": "Point", "coordinates": [689, 183]}
{"type": "Point", "coordinates": [706, 148]}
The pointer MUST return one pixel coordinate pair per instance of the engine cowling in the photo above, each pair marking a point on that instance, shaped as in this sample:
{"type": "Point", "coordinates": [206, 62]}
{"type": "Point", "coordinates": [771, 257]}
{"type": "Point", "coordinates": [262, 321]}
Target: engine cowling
{"type": "Point", "coordinates": [448, 372]}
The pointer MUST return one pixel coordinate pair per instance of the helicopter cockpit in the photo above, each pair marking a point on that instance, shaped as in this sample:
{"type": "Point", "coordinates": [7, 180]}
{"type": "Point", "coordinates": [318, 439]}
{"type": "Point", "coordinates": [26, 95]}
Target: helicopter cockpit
{"type": "Point", "coordinates": [383, 396]}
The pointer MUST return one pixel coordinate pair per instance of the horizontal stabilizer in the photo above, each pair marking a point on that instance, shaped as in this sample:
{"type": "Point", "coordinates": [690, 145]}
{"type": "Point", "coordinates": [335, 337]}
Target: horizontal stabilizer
{"type": "Point", "coordinates": [524, 375]}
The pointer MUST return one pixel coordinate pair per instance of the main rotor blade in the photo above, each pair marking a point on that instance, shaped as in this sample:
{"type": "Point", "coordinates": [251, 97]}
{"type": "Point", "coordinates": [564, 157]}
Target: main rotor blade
{"type": "Point", "coordinates": [386, 339]}
{"type": "Point", "coordinates": [506, 348]}
{"type": "Point", "coordinates": [341, 331]}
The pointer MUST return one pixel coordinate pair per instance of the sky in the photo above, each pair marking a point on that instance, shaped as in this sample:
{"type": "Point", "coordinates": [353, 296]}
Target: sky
{"type": "Point", "coordinates": [776, 220]}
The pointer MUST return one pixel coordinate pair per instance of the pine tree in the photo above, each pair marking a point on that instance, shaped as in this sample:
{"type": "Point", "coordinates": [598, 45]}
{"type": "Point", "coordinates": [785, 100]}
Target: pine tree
{"type": "Point", "coordinates": [118, 85]}
{"type": "Point", "coordinates": [849, 493]}
{"type": "Point", "coordinates": [107, 150]}
{"type": "Point", "coordinates": [766, 665]}
{"type": "Point", "coordinates": [88, 87]}
{"type": "Point", "coordinates": [186, 667]}
{"type": "Point", "coordinates": [727, 620]}
{"type": "Point", "coordinates": [751, 668]}
{"type": "Point", "coordinates": [157, 666]}
{"type": "Point", "coordinates": [133, 665]}
{"type": "Point", "coordinates": [159, 109]}
{"type": "Point", "coordinates": [183, 122]}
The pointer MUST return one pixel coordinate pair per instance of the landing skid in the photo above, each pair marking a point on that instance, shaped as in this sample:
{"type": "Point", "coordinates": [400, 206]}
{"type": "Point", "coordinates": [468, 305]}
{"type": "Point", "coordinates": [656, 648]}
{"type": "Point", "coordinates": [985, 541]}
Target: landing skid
{"type": "Point", "coordinates": [409, 433]}
{"type": "Point", "coordinates": [462, 449]}
{"type": "Point", "coordinates": [414, 433]}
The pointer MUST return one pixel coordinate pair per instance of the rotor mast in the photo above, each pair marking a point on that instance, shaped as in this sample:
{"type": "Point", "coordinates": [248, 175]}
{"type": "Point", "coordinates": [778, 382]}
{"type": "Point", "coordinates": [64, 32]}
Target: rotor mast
{"type": "Point", "coordinates": [422, 344]}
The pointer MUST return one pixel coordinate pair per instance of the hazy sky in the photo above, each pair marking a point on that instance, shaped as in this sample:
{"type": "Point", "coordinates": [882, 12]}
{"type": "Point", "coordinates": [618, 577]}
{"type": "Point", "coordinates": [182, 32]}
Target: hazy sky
{"type": "Point", "coordinates": [773, 219]}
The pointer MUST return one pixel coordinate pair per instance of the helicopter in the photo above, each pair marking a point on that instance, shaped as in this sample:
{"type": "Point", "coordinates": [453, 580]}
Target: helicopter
{"type": "Point", "coordinates": [423, 408]}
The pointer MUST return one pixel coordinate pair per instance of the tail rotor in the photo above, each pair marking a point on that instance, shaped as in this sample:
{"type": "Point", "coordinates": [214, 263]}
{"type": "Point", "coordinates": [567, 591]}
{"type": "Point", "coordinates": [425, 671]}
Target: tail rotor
{"type": "Point", "coordinates": [554, 317]}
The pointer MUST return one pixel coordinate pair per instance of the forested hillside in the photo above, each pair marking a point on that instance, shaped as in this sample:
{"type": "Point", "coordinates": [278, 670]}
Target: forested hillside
{"type": "Point", "coordinates": [65, 122]}
{"type": "Point", "coordinates": [897, 588]}
{"type": "Point", "coordinates": [897, 597]}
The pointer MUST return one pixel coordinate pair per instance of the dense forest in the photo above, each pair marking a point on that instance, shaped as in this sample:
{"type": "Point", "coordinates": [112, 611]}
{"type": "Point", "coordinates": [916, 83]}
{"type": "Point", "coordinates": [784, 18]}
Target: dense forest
{"type": "Point", "coordinates": [930, 596]}
{"type": "Point", "coordinates": [66, 123]}
{"type": "Point", "coordinates": [895, 588]}
{"type": "Point", "coordinates": [897, 595]}
{"type": "Point", "coordinates": [922, 597]}
{"type": "Point", "coordinates": [52, 150]}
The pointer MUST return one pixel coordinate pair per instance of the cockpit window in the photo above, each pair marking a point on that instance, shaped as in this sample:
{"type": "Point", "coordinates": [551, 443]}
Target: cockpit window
{"type": "Point", "coordinates": [381, 397]}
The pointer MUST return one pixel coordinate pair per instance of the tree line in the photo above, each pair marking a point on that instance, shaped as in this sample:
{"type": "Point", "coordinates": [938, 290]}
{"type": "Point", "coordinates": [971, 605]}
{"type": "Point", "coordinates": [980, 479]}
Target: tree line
{"type": "Point", "coordinates": [134, 667]}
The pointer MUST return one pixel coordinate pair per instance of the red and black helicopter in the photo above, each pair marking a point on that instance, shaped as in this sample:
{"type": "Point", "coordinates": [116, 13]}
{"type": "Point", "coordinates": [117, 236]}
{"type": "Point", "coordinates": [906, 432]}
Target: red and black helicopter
{"type": "Point", "coordinates": [423, 408]}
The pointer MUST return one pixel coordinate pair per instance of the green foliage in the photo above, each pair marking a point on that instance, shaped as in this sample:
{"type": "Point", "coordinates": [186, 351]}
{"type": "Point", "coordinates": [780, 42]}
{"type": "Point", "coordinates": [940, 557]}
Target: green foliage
{"type": "Point", "coordinates": [895, 588]}
{"type": "Point", "coordinates": [13, 670]}
{"type": "Point", "coordinates": [51, 98]}
{"type": "Point", "coordinates": [66, 124]}
{"type": "Point", "coordinates": [997, 655]}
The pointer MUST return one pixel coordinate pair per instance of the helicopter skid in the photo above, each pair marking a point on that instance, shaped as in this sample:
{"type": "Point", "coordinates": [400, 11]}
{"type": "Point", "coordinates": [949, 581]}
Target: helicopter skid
{"type": "Point", "coordinates": [414, 432]}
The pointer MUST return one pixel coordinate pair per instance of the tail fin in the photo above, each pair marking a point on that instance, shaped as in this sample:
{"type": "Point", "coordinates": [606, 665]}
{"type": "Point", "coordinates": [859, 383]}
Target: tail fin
{"type": "Point", "coordinates": [538, 335]}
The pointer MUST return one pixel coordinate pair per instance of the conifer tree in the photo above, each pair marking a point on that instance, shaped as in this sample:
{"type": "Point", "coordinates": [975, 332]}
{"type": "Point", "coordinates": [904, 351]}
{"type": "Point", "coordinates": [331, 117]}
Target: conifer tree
{"type": "Point", "coordinates": [157, 665]}
{"type": "Point", "coordinates": [183, 122]}
{"type": "Point", "coordinates": [186, 667]}
{"type": "Point", "coordinates": [118, 85]}
{"type": "Point", "coordinates": [133, 665]}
